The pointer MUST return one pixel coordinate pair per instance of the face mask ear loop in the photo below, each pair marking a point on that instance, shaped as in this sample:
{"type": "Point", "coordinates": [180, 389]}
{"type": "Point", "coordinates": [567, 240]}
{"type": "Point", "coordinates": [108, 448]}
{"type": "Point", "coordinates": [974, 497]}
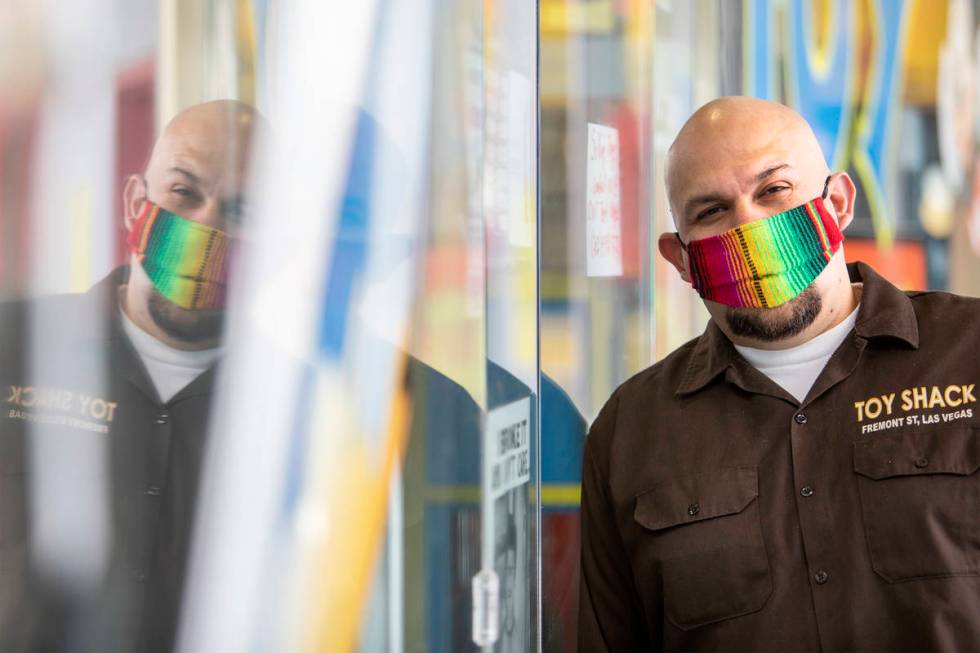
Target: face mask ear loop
{"type": "Point", "coordinates": [683, 246]}
{"type": "Point", "coordinates": [826, 188]}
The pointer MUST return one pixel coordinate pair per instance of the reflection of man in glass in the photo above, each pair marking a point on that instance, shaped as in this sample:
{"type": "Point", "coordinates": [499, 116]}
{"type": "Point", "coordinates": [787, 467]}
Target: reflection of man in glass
{"type": "Point", "coordinates": [197, 171]}
{"type": "Point", "coordinates": [126, 369]}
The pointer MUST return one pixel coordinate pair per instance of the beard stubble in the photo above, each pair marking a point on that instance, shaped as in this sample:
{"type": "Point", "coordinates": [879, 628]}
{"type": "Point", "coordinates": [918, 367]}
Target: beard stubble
{"type": "Point", "coordinates": [187, 326]}
{"type": "Point", "coordinates": [774, 324]}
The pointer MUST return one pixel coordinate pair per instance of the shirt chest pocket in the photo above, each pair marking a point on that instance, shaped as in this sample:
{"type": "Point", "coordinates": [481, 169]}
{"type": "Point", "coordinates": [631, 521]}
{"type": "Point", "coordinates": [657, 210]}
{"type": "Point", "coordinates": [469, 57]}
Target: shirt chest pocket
{"type": "Point", "coordinates": [703, 538]}
{"type": "Point", "coordinates": [920, 496]}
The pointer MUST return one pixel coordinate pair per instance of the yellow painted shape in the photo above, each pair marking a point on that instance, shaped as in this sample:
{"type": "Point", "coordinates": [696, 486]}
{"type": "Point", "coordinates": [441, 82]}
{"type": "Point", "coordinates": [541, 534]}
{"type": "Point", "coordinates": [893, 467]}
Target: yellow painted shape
{"type": "Point", "coordinates": [823, 34]}
{"type": "Point", "coordinates": [246, 52]}
{"type": "Point", "coordinates": [552, 494]}
{"type": "Point", "coordinates": [344, 557]}
{"type": "Point", "coordinates": [453, 494]}
{"type": "Point", "coordinates": [566, 17]}
{"type": "Point", "coordinates": [555, 495]}
{"type": "Point", "coordinates": [81, 241]}
{"type": "Point", "coordinates": [926, 32]}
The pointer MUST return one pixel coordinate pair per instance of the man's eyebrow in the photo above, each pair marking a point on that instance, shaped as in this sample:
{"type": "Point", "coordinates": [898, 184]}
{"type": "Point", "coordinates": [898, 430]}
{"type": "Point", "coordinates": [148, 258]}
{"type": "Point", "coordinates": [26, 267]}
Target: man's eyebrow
{"type": "Point", "coordinates": [707, 198]}
{"type": "Point", "coordinates": [770, 171]}
{"type": "Point", "coordinates": [190, 175]}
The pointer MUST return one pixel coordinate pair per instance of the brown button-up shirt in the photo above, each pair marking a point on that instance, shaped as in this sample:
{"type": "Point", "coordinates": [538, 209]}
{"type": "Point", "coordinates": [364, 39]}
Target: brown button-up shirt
{"type": "Point", "coordinates": [719, 513]}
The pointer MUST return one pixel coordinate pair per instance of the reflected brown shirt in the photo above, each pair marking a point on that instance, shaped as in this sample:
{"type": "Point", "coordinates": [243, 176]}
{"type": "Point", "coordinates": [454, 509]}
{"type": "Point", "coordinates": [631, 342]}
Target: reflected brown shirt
{"type": "Point", "coordinates": [719, 513]}
{"type": "Point", "coordinates": [71, 379]}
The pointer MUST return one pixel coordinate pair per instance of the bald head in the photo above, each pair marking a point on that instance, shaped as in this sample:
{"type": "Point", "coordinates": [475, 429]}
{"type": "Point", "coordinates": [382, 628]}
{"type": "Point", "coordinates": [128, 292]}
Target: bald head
{"type": "Point", "coordinates": [213, 138]}
{"type": "Point", "coordinates": [730, 145]}
{"type": "Point", "coordinates": [208, 122]}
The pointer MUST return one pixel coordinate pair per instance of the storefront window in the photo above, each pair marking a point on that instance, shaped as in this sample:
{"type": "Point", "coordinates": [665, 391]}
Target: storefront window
{"type": "Point", "coordinates": [364, 430]}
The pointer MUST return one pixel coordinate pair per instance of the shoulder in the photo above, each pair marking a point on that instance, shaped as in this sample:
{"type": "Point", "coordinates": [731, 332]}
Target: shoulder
{"type": "Point", "coordinates": [930, 303]}
{"type": "Point", "coordinates": [59, 318]}
{"type": "Point", "coordinates": [47, 325]}
{"type": "Point", "coordinates": [48, 315]}
{"type": "Point", "coordinates": [652, 391]}
{"type": "Point", "coordinates": [661, 379]}
{"type": "Point", "coordinates": [435, 389]}
{"type": "Point", "coordinates": [946, 317]}
{"type": "Point", "coordinates": [31, 312]}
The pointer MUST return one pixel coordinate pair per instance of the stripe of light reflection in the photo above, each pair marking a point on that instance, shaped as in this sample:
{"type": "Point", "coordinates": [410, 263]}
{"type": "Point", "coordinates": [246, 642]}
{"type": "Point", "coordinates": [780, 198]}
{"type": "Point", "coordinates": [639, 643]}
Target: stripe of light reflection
{"type": "Point", "coordinates": [317, 54]}
{"type": "Point", "coordinates": [72, 230]}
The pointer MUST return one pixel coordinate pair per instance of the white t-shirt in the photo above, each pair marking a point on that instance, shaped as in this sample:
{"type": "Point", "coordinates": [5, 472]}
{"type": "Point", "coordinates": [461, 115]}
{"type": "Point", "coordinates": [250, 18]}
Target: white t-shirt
{"type": "Point", "coordinates": [170, 369]}
{"type": "Point", "coordinates": [795, 369]}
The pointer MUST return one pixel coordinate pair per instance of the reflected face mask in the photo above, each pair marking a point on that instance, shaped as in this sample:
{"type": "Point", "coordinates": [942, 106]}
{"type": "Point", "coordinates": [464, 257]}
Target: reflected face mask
{"type": "Point", "coordinates": [765, 263]}
{"type": "Point", "coordinates": [186, 261]}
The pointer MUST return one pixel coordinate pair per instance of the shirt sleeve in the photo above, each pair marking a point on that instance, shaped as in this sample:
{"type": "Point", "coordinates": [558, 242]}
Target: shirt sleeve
{"type": "Point", "coordinates": [610, 617]}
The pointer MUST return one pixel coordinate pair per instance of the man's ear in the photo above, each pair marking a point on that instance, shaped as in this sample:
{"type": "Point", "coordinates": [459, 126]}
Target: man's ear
{"type": "Point", "coordinates": [134, 192]}
{"type": "Point", "coordinates": [841, 194]}
{"type": "Point", "coordinates": [670, 248]}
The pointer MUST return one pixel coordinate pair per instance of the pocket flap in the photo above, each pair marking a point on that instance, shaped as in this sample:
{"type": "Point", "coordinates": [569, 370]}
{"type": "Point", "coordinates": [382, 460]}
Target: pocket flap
{"type": "Point", "coordinates": [692, 499]}
{"type": "Point", "coordinates": [951, 451]}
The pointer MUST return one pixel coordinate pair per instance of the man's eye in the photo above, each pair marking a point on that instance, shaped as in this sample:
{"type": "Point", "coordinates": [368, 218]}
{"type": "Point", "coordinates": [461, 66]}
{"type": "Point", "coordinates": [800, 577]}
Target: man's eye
{"type": "Point", "coordinates": [707, 213]}
{"type": "Point", "coordinates": [183, 191]}
{"type": "Point", "coordinates": [772, 190]}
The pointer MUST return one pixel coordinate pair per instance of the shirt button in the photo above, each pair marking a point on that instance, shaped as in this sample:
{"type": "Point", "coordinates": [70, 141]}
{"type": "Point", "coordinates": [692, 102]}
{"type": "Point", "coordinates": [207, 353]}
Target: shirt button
{"type": "Point", "coordinates": [693, 509]}
{"type": "Point", "coordinates": [139, 576]}
{"type": "Point", "coordinates": [800, 418]}
{"type": "Point", "coordinates": [821, 577]}
{"type": "Point", "coordinates": [922, 462]}
{"type": "Point", "coordinates": [162, 418]}
{"type": "Point", "coordinates": [153, 491]}
{"type": "Point", "coordinates": [806, 491]}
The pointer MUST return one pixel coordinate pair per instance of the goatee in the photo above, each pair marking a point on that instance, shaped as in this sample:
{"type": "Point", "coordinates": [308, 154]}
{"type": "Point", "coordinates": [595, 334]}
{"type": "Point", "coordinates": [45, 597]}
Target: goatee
{"type": "Point", "coordinates": [188, 326]}
{"type": "Point", "coordinates": [773, 324]}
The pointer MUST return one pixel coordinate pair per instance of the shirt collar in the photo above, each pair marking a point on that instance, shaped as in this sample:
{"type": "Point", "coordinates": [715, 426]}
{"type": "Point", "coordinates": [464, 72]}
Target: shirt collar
{"type": "Point", "coordinates": [885, 312]}
{"type": "Point", "coordinates": [713, 353]}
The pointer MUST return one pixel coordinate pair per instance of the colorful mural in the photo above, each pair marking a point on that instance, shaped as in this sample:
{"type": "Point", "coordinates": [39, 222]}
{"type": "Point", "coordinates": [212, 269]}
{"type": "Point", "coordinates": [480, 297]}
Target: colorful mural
{"type": "Point", "coordinates": [807, 53]}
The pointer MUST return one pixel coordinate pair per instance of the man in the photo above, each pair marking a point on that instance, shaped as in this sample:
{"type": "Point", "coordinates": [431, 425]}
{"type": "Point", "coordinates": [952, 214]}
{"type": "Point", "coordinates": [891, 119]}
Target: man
{"type": "Point", "coordinates": [123, 376]}
{"type": "Point", "coordinates": [804, 475]}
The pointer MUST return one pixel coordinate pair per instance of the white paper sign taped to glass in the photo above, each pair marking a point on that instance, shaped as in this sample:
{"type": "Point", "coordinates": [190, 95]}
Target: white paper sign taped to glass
{"type": "Point", "coordinates": [603, 220]}
{"type": "Point", "coordinates": [501, 625]}
{"type": "Point", "coordinates": [507, 462]}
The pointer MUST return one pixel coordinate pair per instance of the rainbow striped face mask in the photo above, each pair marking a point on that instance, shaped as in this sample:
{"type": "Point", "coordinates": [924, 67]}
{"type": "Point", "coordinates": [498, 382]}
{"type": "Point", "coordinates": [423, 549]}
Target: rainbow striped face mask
{"type": "Point", "coordinates": [186, 261]}
{"type": "Point", "coordinates": [768, 262]}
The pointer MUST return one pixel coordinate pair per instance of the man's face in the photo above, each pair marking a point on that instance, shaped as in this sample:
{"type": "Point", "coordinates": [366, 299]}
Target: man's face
{"type": "Point", "coordinates": [198, 171]}
{"type": "Point", "coordinates": [735, 170]}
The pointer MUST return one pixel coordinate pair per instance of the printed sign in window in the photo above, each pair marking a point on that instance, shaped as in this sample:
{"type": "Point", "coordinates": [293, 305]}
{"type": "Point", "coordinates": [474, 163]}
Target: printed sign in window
{"type": "Point", "coordinates": [500, 590]}
{"type": "Point", "coordinates": [508, 447]}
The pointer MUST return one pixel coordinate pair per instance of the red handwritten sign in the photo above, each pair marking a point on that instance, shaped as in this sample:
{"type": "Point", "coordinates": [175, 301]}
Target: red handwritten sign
{"type": "Point", "coordinates": [604, 253]}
